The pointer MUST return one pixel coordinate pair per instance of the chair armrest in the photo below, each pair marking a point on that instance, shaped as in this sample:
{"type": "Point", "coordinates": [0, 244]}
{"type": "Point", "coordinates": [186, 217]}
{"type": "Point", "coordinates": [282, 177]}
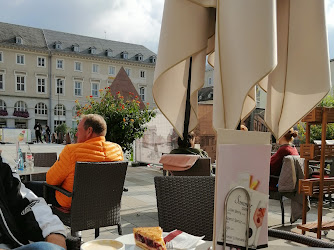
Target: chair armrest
{"type": "Point", "coordinates": [58, 188]}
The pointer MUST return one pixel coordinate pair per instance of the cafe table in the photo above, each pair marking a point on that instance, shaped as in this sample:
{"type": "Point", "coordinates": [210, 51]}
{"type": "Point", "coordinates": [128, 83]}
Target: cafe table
{"type": "Point", "coordinates": [27, 173]}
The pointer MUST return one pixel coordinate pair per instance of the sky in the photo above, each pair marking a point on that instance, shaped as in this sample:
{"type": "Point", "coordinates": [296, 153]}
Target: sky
{"type": "Point", "coordinates": [132, 21]}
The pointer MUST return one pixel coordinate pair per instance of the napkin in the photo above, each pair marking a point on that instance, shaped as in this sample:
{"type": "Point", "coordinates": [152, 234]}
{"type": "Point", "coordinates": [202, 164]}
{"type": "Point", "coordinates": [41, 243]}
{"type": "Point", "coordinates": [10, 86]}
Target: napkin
{"type": "Point", "coordinates": [181, 240]}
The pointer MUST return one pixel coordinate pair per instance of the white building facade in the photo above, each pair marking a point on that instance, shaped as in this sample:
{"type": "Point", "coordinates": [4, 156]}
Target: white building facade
{"type": "Point", "coordinates": [43, 72]}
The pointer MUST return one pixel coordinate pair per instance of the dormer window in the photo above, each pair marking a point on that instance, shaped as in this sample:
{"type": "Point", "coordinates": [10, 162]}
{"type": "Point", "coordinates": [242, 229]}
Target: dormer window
{"type": "Point", "coordinates": [124, 55]}
{"type": "Point", "coordinates": [139, 57]}
{"type": "Point", "coordinates": [58, 45]}
{"type": "Point", "coordinates": [19, 40]}
{"type": "Point", "coordinates": [153, 59]}
{"type": "Point", "coordinates": [92, 50]}
{"type": "Point", "coordinates": [109, 52]}
{"type": "Point", "coordinates": [75, 48]}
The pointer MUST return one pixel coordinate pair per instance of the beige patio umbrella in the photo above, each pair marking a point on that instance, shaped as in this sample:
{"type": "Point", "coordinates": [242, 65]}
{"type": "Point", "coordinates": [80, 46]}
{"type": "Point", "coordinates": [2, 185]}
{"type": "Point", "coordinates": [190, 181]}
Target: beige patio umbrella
{"type": "Point", "coordinates": [249, 39]}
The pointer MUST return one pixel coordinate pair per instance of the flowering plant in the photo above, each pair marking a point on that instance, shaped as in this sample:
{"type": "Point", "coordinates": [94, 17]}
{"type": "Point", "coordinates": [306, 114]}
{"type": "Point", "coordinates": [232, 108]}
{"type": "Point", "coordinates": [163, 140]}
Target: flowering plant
{"type": "Point", "coordinates": [3, 112]}
{"type": "Point", "coordinates": [124, 117]}
{"type": "Point", "coordinates": [24, 114]}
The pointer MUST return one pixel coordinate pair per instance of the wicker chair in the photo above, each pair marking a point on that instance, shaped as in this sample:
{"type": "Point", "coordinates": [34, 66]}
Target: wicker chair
{"type": "Point", "coordinates": [186, 203]}
{"type": "Point", "coordinates": [96, 196]}
{"type": "Point", "coordinates": [42, 160]}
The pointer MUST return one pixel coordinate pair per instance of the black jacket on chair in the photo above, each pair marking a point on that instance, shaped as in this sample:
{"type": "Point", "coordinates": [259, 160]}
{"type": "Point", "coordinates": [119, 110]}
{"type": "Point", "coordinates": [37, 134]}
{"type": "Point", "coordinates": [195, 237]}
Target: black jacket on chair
{"type": "Point", "coordinates": [24, 217]}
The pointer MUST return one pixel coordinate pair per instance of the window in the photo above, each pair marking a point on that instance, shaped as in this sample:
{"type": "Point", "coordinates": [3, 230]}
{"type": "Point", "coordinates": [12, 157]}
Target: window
{"type": "Point", "coordinates": [20, 106]}
{"type": "Point", "coordinates": [124, 55]}
{"type": "Point", "coordinates": [153, 59]}
{"type": "Point", "coordinates": [109, 52]}
{"type": "Point", "coordinates": [19, 59]}
{"type": "Point", "coordinates": [60, 86]}
{"type": "Point", "coordinates": [41, 61]}
{"type": "Point", "coordinates": [18, 40]}
{"type": "Point", "coordinates": [209, 81]}
{"type": "Point", "coordinates": [128, 71]}
{"type": "Point", "coordinates": [20, 82]}
{"type": "Point", "coordinates": [139, 57]}
{"type": "Point", "coordinates": [60, 64]}
{"type": "Point", "coordinates": [112, 70]}
{"type": "Point", "coordinates": [3, 105]}
{"type": "Point", "coordinates": [60, 110]}
{"type": "Point", "coordinates": [41, 109]}
{"type": "Point", "coordinates": [142, 74]}
{"type": "Point", "coordinates": [41, 87]}
{"type": "Point", "coordinates": [93, 50]}
{"type": "Point", "coordinates": [142, 93]}
{"type": "Point", "coordinates": [76, 48]}
{"type": "Point", "coordinates": [77, 88]}
{"type": "Point", "coordinates": [95, 89]}
{"type": "Point", "coordinates": [58, 45]}
{"type": "Point", "coordinates": [75, 110]}
{"type": "Point", "coordinates": [77, 66]}
{"type": "Point", "coordinates": [95, 68]}
{"type": "Point", "coordinates": [2, 81]}
{"type": "Point", "coordinates": [1, 56]}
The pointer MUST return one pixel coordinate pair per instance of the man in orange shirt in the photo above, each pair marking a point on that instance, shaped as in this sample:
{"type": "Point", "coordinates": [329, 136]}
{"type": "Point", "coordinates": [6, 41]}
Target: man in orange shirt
{"type": "Point", "coordinates": [91, 146]}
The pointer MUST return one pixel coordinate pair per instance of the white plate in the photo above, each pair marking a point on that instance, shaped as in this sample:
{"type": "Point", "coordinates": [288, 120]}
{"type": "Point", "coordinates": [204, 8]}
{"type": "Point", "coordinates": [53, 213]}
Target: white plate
{"type": "Point", "coordinates": [129, 241]}
{"type": "Point", "coordinates": [103, 244]}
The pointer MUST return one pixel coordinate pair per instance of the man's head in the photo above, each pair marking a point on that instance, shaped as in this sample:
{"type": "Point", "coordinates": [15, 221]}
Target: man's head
{"type": "Point", "coordinates": [91, 126]}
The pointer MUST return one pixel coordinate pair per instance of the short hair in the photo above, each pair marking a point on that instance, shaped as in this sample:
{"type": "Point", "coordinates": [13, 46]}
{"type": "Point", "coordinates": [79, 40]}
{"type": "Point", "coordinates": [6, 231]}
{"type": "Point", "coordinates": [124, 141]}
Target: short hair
{"type": "Point", "coordinates": [291, 134]}
{"type": "Point", "coordinates": [96, 122]}
{"type": "Point", "coordinates": [186, 143]}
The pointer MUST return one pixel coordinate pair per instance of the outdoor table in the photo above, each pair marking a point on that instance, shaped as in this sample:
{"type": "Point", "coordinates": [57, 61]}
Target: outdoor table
{"type": "Point", "coordinates": [27, 173]}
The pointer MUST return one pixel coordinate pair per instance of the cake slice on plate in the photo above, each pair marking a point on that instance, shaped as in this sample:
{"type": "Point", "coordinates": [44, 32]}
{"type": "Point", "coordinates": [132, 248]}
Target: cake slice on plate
{"type": "Point", "coordinates": [149, 238]}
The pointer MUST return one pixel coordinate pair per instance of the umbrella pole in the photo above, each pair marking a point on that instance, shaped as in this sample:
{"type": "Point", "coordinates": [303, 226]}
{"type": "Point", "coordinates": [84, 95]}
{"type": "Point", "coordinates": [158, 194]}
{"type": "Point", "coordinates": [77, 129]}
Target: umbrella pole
{"type": "Point", "coordinates": [187, 110]}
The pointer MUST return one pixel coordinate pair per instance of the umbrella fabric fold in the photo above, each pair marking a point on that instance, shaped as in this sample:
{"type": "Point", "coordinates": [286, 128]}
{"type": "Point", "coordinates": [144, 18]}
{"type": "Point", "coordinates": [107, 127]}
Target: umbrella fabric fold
{"type": "Point", "coordinates": [302, 76]}
{"type": "Point", "coordinates": [185, 31]}
{"type": "Point", "coordinates": [245, 41]}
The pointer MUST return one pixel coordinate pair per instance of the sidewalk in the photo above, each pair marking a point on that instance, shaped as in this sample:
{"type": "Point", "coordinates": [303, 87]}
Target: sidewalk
{"type": "Point", "coordinates": [139, 203]}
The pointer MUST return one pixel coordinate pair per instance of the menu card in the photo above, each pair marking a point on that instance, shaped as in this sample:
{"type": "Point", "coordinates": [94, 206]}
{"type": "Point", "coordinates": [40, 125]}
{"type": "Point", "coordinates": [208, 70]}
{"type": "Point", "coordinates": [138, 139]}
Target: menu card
{"type": "Point", "coordinates": [243, 159]}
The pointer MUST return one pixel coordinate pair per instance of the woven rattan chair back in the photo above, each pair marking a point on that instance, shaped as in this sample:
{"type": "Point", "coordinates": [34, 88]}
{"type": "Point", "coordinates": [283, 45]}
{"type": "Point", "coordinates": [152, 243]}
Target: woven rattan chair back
{"type": "Point", "coordinates": [186, 203]}
{"type": "Point", "coordinates": [43, 159]}
{"type": "Point", "coordinates": [97, 193]}
{"type": "Point", "coordinates": [202, 167]}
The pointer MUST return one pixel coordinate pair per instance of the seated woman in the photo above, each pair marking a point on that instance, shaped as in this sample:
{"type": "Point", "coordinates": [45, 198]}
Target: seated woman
{"type": "Point", "coordinates": [187, 147]}
{"type": "Point", "coordinates": [276, 161]}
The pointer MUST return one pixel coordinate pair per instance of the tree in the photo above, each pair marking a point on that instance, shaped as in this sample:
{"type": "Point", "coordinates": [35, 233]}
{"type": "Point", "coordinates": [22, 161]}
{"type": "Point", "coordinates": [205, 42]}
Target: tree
{"type": "Point", "coordinates": [125, 120]}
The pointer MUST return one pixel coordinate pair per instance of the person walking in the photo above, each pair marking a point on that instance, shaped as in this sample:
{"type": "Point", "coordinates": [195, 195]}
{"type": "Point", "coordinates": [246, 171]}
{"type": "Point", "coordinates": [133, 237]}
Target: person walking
{"type": "Point", "coordinates": [48, 133]}
{"type": "Point", "coordinates": [38, 131]}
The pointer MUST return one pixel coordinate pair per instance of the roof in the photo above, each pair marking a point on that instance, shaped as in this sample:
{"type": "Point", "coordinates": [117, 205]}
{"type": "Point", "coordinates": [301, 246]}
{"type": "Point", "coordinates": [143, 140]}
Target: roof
{"type": "Point", "coordinates": [102, 45]}
{"type": "Point", "coordinates": [123, 84]}
{"type": "Point", "coordinates": [32, 37]}
{"type": "Point", "coordinates": [46, 39]}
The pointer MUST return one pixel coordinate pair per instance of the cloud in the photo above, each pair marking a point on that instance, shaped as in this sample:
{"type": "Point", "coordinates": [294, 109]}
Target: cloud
{"type": "Point", "coordinates": [132, 21]}
{"type": "Point", "coordinates": [330, 25]}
